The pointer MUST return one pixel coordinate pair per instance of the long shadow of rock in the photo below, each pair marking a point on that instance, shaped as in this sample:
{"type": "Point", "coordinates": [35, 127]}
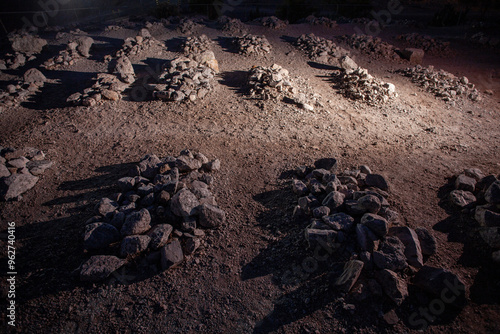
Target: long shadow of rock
{"type": "Point", "coordinates": [226, 44]}
{"type": "Point", "coordinates": [461, 227]}
{"type": "Point", "coordinates": [175, 44]}
{"type": "Point", "coordinates": [235, 80]}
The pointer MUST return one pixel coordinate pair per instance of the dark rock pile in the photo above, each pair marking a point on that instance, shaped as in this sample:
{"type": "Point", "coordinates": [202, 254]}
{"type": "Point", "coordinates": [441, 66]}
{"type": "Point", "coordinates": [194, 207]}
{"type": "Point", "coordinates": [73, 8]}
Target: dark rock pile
{"type": "Point", "coordinates": [162, 210]}
{"type": "Point", "coordinates": [370, 45]}
{"type": "Point", "coordinates": [350, 219]}
{"type": "Point", "coordinates": [320, 49]}
{"type": "Point", "coordinates": [441, 83]}
{"type": "Point", "coordinates": [25, 47]}
{"type": "Point", "coordinates": [106, 87]}
{"type": "Point", "coordinates": [479, 195]}
{"type": "Point", "coordinates": [252, 44]}
{"type": "Point", "coordinates": [20, 171]}
{"type": "Point", "coordinates": [483, 39]}
{"type": "Point", "coordinates": [185, 79]}
{"type": "Point", "coordinates": [427, 43]}
{"type": "Point", "coordinates": [231, 26]}
{"type": "Point", "coordinates": [197, 44]}
{"type": "Point", "coordinates": [77, 48]}
{"type": "Point", "coordinates": [323, 21]}
{"type": "Point", "coordinates": [133, 46]}
{"type": "Point", "coordinates": [272, 22]}
{"type": "Point", "coordinates": [188, 27]}
{"type": "Point", "coordinates": [33, 81]}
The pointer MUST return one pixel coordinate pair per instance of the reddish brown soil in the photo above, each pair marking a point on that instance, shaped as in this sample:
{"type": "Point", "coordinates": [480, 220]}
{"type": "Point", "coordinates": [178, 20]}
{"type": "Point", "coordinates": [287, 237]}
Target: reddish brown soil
{"type": "Point", "coordinates": [235, 284]}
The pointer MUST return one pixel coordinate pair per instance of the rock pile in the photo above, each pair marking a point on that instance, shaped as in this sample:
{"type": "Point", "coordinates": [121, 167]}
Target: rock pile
{"type": "Point", "coordinates": [441, 83]}
{"type": "Point", "coordinates": [197, 44]}
{"type": "Point", "coordinates": [232, 26]}
{"type": "Point", "coordinates": [25, 47]}
{"type": "Point", "coordinates": [350, 219]}
{"type": "Point", "coordinates": [106, 87]}
{"type": "Point", "coordinates": [162, 210]}
{"type": "Point", "coordinates": [320, 49]}
{"type": "Point", "coordinates": [185, 79]}
{"type": "Point", "coordinates": [323, 21]}
{"type": "Point", "coordinates": [483, 39]}
{"type": "Point", "coordinates": [272, 22]}
{"type": "Point", "coordinates": [133, 46]}
{"type": "Point", "coordinates": [20, 171]}
{"type": "Point", "coordinates": [356, 83]}
{"type": "Point", "coordinates": [427, 43]}
{"type": "Point", "coordinates": [33, 81]}
{"type": "Point", "coordinates": [252, 44]}
{"type": "Point", "coordinates": [77, 48]}
{"type": "Point", "coordinates": [275, 83]}
{"type": "Point", "coordinates": [188, 27]}
{"type": "Point", "coordinates": [370, 45]}
{"type": "Point", "coordinates": [479, 195]}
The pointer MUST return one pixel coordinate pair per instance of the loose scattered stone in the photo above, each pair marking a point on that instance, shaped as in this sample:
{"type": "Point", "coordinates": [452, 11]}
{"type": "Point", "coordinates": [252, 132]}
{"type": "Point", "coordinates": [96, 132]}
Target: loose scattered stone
{"type": "Point", "coordinates": [33, 81]}
{"type": "Point", "coordinates": [133, 46]}
{"type": "Point", "coordinates": [197, 44]}
{"type": "Point", "coordinates": [25, 47]}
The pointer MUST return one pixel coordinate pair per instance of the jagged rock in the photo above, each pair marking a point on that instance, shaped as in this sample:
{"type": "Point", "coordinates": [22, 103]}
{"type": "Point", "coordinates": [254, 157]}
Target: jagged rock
{"type": "Point", "coordinates": [349, 276]}
{"type": "Point", "coordinates": [28, 44]}
{"type": "Point", "coordinates": [390, 255]}
{"type": "Point", "coordinates": [171, 255]}
{"type": "Point", "coordinates": [106, 207]}
{"type": "Point", "coordinates": [415, 56]}
{"type": "Point", "coordinates": [184, 203]}
{"type": "Point", "coordinates": [376, 180]}
{"type": "Point", "coordinates": [321, 238]}
{"type": "Point", "coordinates": [83, 45]}
{"type": "Point", "coordinates": [13, 186]}
{"type": "Point", "coordinates": [409, 237]}
{"type": "Point", "coordinates": [393, 286]}
{"type": "Point", "coordinates": [465, 183]}
{"type": "Point", "coordinates": [34, 76]}
{"type": "Point", "coordinates": [136, 223]}
{"type": "Point", "coordinates": [124, 69]}
{"type": "Point", "coordinates": [491, 235]}
{"type": "Point", "coordinates": [442, 284]}
{"type": "Point", "coordinates": [370, 203]}
{"type": "Point", "coordinates": [375, 223]}
{"type": "Point", "coordinates": [99, 267]}
{"type": "Point", "coordinates": [365, 237]}
{"type": "Point", "coordinates": [339, 221]}
{"type": "Point", "coordinates": [428, 242]}
{"type": "Point", "coordinates": [486, 215]}
{"type": "Point", "coordinates": [334, 200]}
{"type": "Point", "coordinates": [159, 235]}
{"type": "Point", "coordinates": [210, 216]}
{"type": "Point", "coordinates": [134, 244]}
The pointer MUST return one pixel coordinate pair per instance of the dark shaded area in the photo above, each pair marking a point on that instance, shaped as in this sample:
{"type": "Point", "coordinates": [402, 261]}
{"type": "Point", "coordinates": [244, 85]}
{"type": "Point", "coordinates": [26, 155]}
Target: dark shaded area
{"type": "Point", "coordinates": [227, 44]}
{"type": "Point", "coordinates": [236, 80]}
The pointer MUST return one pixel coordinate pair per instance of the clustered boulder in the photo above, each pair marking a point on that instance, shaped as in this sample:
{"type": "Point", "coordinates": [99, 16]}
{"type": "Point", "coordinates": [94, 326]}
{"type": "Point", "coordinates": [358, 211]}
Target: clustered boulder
{"type": "Point", "coordinates": [483, 39]}
{"type": "Point", "coordinates": [370, 45]}
{"type": "Point", "coordinates": [106, 87]}
{"type": "Point", "coordinates": [162, 209]}
{"type": "Point", "coordinates": [427, 43]}
{"type": "Point", "coordinates": [321, 49]}
{"type": "Point", "coordinates": [188, 26]}
{"type": "Point", "coordinates": [356, 83]}
{"type": "Point", "coordinates": [272, 22]}
{"type": "Point", "coordinates": [33, 81]}
{"type": "Point", "coordinates": [25, 47]}
{"type": "Point", "coordinates": [441, 83]}
{"type": "Point", "coordinates": [184, 79]}
{"type": "Point", "coordinates": [231, 26]}
{"type": "Point", "coordinates": [197, 44]}
{"type": "Point", "coordinates": [20, 171]}
{"type": "Point", "coordinates": [252, 44]}
{"type": "Point", "coordinates": [350, 219]}
{"type": "Point", "coordinates": [479, 195]}
{"type": "Point", "coordinates": [323, 21]}
{"type": "Point", "coordinates": [77, 48]}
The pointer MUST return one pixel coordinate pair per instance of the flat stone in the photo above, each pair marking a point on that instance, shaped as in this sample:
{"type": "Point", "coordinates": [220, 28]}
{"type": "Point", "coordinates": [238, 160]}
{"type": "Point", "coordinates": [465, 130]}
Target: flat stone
{"type": "Point", "coordinates": [99, 267]}
{"type": "Point", "coordinates": [461, 198]}
{"type": "Point", "coordinates": [136, 223]}
{"type": "Point", "coordinates": [427, 240]}
{"type": "Point", "coordinates": [463, 182]}
{"type": "Point", "coordinates": [409, 237]}
{"type": "Point", "coordinates": [100, 235]}
{"type": "Point", "coordinates": [213, 165]}
{"type": "Point", "coordinates": [492, 194]}
{"type": "Point", "coordinates": [211, 216]}
{"type": "Point", "coordinates": [350, 275]}
{"type": "Point", "coordinates": [134, 244]}
{"type": "Point", "coordinates": [184, 203]}
{"type": "Point", "coordinates": [443, 284]}
{"type": "Point", "coordinates": [390, 255]}
{"type": "Point", "coordinates": [339, 221]}
{"type": "Point", "coordinates": [171, 255]}
{"type": "Point", "coordinates": [376, 180]}
{"type": "Point", "coordinates": [38, 167]}
{"type": "Point", "coordinates": [18, 162]}
{"type": "Point", "coordinates": [4, 171]}
{"type": "Point", "coordinates": [13, 186]}
{"type": "Point", "coordinates": [375, 223]}
{"type": "Point", "coordinates": [393, 286]}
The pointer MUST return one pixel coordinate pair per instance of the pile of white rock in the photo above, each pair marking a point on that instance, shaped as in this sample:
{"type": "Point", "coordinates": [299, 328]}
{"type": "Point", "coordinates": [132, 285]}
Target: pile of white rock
{"type": "Point", "coordinates": [370, 45]}
{"type": "Point", "coordinates": [77, 48]}
{"type": "Point", "coordinates": [33, 81]}
{"type": "Point", "coordinates": [427, 43]}
{"type": "Point", "coordinates": [25, 47]}
{"type": "Point", "coordinates": [20, 171]}
{"type": "Point", "coordinates": [185, 79]}
{"type": "Point", "coordinates": [356, 83]}
{"type": "Point", "coordinates": [197, 44]}
{"type": "Point", "coordinates": [252, 44]}
{"type": "Point", "coordinates": [106, 87]}
{"type": "Point", "coordinates": [162, 210]}
{"type": "Point", "coordinates": [441, 83]}
{"type": "Point", "coordinates": [272, 22]}
{"type": "Point", "coordinates": [321, 49]}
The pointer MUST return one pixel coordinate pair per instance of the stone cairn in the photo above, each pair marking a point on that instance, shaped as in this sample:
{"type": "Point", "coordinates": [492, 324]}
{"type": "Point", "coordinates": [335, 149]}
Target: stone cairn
{"type": "Point", "coordinates": [275, 83]}
{"type": "Point", "coordinates": [252, 44]}
{"type": "Point", "coordinates": [33, 81]}
{"type": "Point", "coordinates": [197, 44]}
{"type": "Point", "coordinates": [188, 27]}
{"type": "Point", "coordinates": [370, 45]}
{"type": "Point", "coordinates": [184, 79]}
{"type": "Point", "coordinates": [76, 49]}
{"type": "Point", "coordinates": [479, 196]}
{"type": "Point", "coordinates": [485, 40]}
{"type": "Point", "coordinates": [20, 171]}
{"type": "Point", "coordinates": [272, 22]}
{"type": "Point", "coordinates": [106, 87]}
{"type": "Point", "coordinates": [320, 49]}
{"type": "Point", "coordinates": [231, 26]}
{"type": "Point", "coordinates": [441, 83]}
{"type": "Point", "coordinates": [320, 21]}
{"type": "Point", "coordinates": [135, 45]}
{"type": "Point", "coordinates": [351, 220]}
{"type": "Point", "coordinates": [25, 47]}
{"type": "Point", "coordinates": [356, 83]}
{"type": "Point", "coordinates": [427, 43]}
{"type": "Point", "coordinates": [162, 210]}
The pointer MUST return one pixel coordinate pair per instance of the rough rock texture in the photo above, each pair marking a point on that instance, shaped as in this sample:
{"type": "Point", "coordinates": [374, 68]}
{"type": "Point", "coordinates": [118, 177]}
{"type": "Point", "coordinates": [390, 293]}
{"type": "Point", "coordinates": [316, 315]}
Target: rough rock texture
{"type": "Point", "coordinates": [231, 25]}
{"type": "Point", "coordinates": [77, 48]}
{"type": "Point", "coordinates": [99, 267]}
{"type": "Point", "coordinates": [320, 49]}
{"type": "Point", "coordinates": [371, 45]}
{"type": "Point", "coordinates": [252, 44]}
